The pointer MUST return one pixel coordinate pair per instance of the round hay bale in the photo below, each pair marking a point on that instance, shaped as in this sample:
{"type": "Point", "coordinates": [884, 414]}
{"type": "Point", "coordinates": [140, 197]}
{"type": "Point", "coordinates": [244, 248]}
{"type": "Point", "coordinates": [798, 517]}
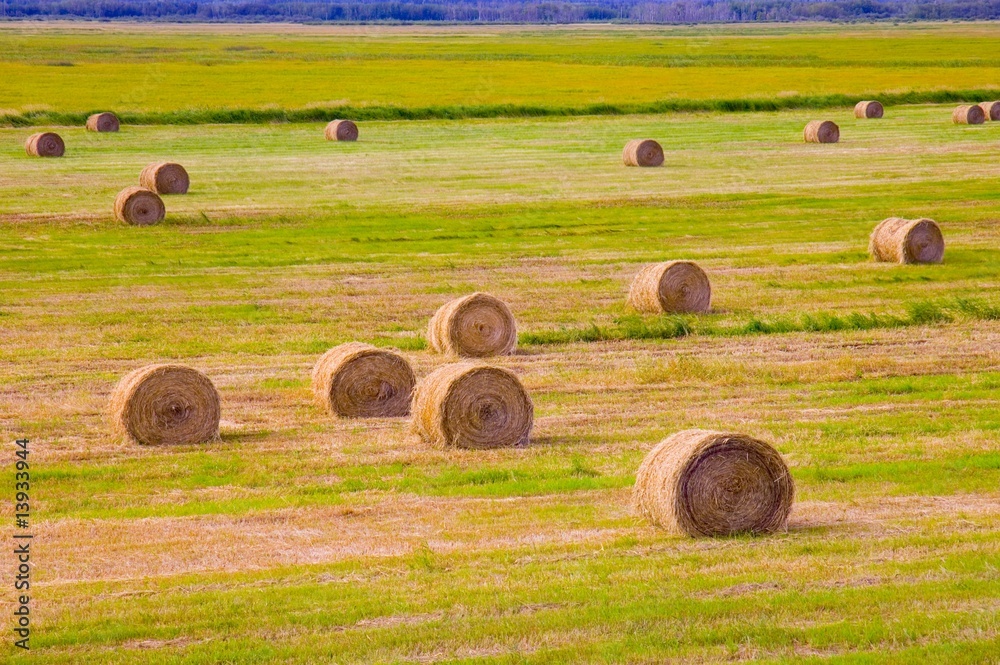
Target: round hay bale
{"type": "Point", "coordinates": [991, 110]}
{"type": "Point", "coordinates": [474, 326]}
{"type": "Point", "coordinates": [45, 144]}
{"type": "Point", "coordinates": [821, 131]}
{"type": "Point", "coordinates": [899, 240]}
{"type": "Point", "coordinates": [674, 286]}
{"type": "Point", "coordinates": [968, 115]}
{"type": "Point", "coordinates": [166, 404]}
{"type": "Point", "coordinates": [467, 405]}
{"type": "Point", "coordinates": [642, 152]}
{"type": "Point", "coordinates": [704, 483]}
{"type": "Point", "coordinates": [869, 109]}
{"type": "Point", "coordinates": [165, 178]}
{"type": "Point", "coordinates": [103, 122]}
{"type": "Point", "coordinates": [138, 206]}
{"type": "Point", "coordinates": [357, 380]}
{"type": "Point", "coordinates": [341, 130]}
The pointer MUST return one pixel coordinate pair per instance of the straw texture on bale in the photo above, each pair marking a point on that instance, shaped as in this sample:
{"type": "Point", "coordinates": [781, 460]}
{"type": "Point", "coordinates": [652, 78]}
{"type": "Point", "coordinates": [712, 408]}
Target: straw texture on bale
{"type": "Point", "coordinates": [968, 115]}
{"type": "Point", "coordinates": [674, 286]}
{"type": "Point", "coordinates": [357, 380]}
{"type": "Point", "coordinates": [165, 178]}
{"type": "Point", "coordinates": [467, 405]}
{"type": "Point", "coordinates": [703, 483]}
{"type": "Point", "coordinates": [991, 110]}
{"type": "Point", "coordinates": [821, 131]}
{"type": "Point", "coordinates": [45, 144]}
{"type": "Point", "coordinates": [103, 122]}
{"type": "Point", "coordinates": [474, 326]}
{"type": "Point", "coordinates": [899, 240]}
{"type": "Point", "coordinates": [642, 152]}
{"type": "Point", "coordinates": [869, 109]}
{"type": "Point", "coordinates": [166, 404]}
{"type": "Point", "coordinates": [341, 130]}
{"type": "Point", "coordinates": [139, 207]}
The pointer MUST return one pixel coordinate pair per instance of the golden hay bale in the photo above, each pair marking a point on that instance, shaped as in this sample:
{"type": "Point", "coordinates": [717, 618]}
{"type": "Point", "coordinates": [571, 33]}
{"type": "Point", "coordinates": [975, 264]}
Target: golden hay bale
{"type": "Point", "coordinates": [165, 404]}
{"type": "Point", "coordinates": [870, 109]}
{"type": "Point", "coordinates": [357, 380]}
{"type": "Point", "coordinates": [474, 326]}
{"type": "Point", "coordinates": [991, 110]}
{"type": "Point", "coordinates": [674, 286]}
{"type": "Point", "coordinates": [468, 405]}
{"type": "Point", "coordinates": [139, 207]}
{"type": "Point", "coordinates": [341, 130]}
{"type": "Point", "coordinates": [821, 131]}
{"type": "Point", "coordinates": [642, 152]}
{"type": "Point", "coordinates": [968, 115]}
{"type": "Point", "coordinates": [103, 122]}
{"type": "Point", "coordinates": [705, 483]}
{"type": "Point", "coordinates": [899, 240]}
{"type": "Point", "coordinates": [45, 144]}
{"type": "Point", "coordinates": [165, 178]}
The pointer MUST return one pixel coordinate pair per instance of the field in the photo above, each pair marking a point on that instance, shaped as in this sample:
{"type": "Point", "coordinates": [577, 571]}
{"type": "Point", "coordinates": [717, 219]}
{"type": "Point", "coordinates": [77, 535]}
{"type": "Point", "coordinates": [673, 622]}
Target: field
{"type": "Point", "coordinates": [299, 538]}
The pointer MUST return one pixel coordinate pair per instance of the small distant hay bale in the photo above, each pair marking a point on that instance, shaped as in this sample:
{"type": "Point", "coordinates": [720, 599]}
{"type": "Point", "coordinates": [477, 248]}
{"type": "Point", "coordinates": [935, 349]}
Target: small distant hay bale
{"type": "Point", "coordinates": [468, 405]}
{"type": "Point", "coordinates": [103, 122]}
{"type": "Point", "coordinates": [137, 206]}
{"type": "Point", "coordinates": [899, 240]}
{"type": "Point", "coordinates": [673, 287]}
{"type": "Point", "coordinates": [991, 110]}
{"type": "Point", "coordinates": [968, 115]}
{"type": "Point", "coordinates": [474, 326]}
{"type": "Point", "coordinates": [703, 483]}
{"type": "Point", "coordinates": [868, 109]}
{"type": "Point", "coordinates": [341, 130]}
{"type": "Point", "coordinates": [45, 144]}
{"type": "Point", "coordinates": [357, 380]}
{"type": "Point", "coordinates": [821, 131]}
{"type": "Point", "coordinates": [165, 178]}
{"type": "Point", "coordinates": [165, 404]}
{"type": "Point", "coordinates": [642, 152]}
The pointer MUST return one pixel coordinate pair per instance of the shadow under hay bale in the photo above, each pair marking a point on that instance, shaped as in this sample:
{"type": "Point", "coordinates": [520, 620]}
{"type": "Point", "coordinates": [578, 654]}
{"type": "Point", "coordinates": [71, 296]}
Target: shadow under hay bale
{"type": "Point", "coordinates": [103, 122]}
{"type": "Point", "coordinates": [341, 130]}
{"type": "Point", "coordinates": [165, 404]}
{"type": "Point", "coordinates": [868, 110]}
{"type": "Point", "coordinates": [968, 115]}
{"type": "Point", "coordinates": [821, 131]}
{"type": "Point", "coordinates": [672, 287]}
{"type": "Point", "coordinates": [642, 152]}
{"type": "Point", "coordinates": [45, 144]}
{"type": "Point", "coordinates": [356, 380]}
{"type": "Point", "coordinates": [899, 240]}
{"type": "Point", "coordinates": [474, 326]}
{"type": "Point", "coordinates": [165, 178]}
{"type": "Point", "coordinates": [137, 206]}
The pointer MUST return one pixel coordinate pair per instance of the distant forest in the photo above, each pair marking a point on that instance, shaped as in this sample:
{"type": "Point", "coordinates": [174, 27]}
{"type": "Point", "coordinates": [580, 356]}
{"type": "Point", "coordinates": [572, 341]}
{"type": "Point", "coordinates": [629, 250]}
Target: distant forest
{"type": "Point", "coordinates": [506, 11]}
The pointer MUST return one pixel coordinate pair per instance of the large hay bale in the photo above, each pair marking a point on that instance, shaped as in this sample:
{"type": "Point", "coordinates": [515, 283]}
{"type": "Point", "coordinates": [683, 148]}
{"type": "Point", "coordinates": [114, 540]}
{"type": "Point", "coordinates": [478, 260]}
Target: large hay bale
{"type": "Point", "coordinates": [821, 131]}
{"type": "Point", "coordinates": [474, 326]}
{"type": "Point", "coordinates": [138, 206]}
{"type": "Point", "coordinates": [868, 109]}
{"type": "Point", "coordinates": [991, 110]}
{"type": "Point", "coordinates": [341, 130]}
{"type": "Point", "coordinates": [467, 405]}
{"type": "Point", "coordinates": [674, 286]}
{"type": "Point", "coordinates": [165, 178]}
{"type": "Point", "coordinates": [704, 483]}
{"type": "Point", "coordinates": [968, 115]}
{"type": "Point", "coordinates": [356, 380]}
{"type": "Point", "coordinates": [103, 122]}
{"type": "Point", "coordinates": [45, 144]}
{"type": "Point", "coordinates": [899, 240]}
{"type": "Point", "coordinates": [642, 152]}
{"type": "Point", "coordinates": [166, 404]}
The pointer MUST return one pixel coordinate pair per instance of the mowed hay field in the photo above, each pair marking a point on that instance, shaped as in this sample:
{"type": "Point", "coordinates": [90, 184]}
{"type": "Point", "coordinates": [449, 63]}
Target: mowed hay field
{"type": "Point", "coordinates": [299, 538]}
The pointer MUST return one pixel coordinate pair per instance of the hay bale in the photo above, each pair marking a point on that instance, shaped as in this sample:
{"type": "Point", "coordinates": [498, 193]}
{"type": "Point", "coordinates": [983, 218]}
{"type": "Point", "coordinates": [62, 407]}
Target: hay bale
{"type": "Point", "coordinates": [674, 286]}
{"type": "Point", "coordinates": [869, 109]}
{"type": "Point", "coordinates": [968, 115]}
{"type": "Point", "coordinates": [165, 178]}
{"type": "Point", "coordinates": [642, 152]}
{"type": "Point", "coordinates": [704, 483]}
{"type": "Point", "coordinates": [138, 206]}
{"type": "Point", "coordinates": [341, 130]}
{"type": "Point", "coordinates": [821, 131]}
{"type": "Point", "coordinates": [357, 380]}
{"type": "Point", "coordinates": [165, 404]}
{"type": "Point", "coordinates": [991, 110]}
{"type": "Point", "coordinates": [45, 144]}
{"type": "Point", "coordinates": [103, 122]}
{"type": "Point", "coordinates": [469, 405]}
{"type": "Point", "coordinates": [899, 240]}
{"type": "Point", "coordinates": [474, 326]}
